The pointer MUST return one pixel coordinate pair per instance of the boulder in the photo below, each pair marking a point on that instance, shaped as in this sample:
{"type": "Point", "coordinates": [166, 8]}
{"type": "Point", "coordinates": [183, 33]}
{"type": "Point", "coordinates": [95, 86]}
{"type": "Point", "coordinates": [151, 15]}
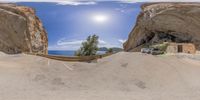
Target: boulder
{"type": "Point", "coordinates": [170, 22]}
{"type": "Point", "coordinates": [21, 30]}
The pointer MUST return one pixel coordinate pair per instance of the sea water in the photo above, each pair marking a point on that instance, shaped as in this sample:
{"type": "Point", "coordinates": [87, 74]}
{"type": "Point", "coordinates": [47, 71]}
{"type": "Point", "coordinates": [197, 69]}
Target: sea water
{"type": "Point", "coordinates": [67, 52]}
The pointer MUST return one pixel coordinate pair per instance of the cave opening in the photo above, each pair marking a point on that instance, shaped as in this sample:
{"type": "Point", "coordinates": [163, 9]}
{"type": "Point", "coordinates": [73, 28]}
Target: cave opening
{"type": "Point", "coordinates": [159, 37]}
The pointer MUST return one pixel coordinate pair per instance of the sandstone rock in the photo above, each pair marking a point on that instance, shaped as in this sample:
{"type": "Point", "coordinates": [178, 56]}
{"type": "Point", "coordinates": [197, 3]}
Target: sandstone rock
{"type": "Point", "coordinates": [179, 22]}
{"type": "Point", "coordinates": [21, 30]}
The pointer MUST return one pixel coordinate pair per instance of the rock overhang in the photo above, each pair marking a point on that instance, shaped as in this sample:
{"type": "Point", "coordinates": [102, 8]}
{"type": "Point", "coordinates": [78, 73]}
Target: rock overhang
{"type": "Point", "coordinates": [180, 20]}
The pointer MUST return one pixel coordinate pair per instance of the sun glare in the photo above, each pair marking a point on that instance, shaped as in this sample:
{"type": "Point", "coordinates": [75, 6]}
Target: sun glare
{"type": "Point", "coordinates": [100, 18]}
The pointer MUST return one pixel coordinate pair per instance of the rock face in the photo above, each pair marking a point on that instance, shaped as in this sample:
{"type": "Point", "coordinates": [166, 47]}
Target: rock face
{"type": "Point", "coordinates": [170, 22]}
{"type": "Point", "coordinates": [21, 30]}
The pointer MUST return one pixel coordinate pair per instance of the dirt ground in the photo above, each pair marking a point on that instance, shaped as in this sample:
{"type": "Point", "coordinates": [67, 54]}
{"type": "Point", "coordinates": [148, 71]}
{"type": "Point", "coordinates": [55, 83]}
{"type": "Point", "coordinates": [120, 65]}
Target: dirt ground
{"type": "Point", "coordinates": [122, 76]}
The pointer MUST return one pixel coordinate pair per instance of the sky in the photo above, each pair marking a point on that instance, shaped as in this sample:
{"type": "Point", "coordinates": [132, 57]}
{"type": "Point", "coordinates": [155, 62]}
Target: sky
{"type": "Point", "coordinates": [69, 25]}
{"type": "Point", "coordinates": [69, 22]}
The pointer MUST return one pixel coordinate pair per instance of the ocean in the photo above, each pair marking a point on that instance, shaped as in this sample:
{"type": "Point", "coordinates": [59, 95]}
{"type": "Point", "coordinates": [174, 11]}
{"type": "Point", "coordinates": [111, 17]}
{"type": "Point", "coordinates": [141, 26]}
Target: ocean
{"type": "Point", "coordinates": [67, 52]}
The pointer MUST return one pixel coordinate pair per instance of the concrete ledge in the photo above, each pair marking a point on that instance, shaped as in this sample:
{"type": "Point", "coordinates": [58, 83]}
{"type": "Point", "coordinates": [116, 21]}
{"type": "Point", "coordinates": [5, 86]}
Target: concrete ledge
{"type": "Point", "coordinates": [75, 58]}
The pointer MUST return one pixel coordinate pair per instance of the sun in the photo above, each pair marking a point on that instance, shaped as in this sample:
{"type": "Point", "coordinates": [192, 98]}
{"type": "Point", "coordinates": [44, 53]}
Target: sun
{"type": "Point", "coordinates": [100, 18]}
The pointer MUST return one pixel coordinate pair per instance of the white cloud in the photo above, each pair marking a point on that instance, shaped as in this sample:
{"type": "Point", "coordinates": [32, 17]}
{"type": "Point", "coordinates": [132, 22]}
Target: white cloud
{"type": "Point", "coordinates": [75, 3]}
{"type": "Point", "coordinates": [121, 40]}
{"type": "Point", "coordinates": [71, 42]}
{"type": "Point", "coordinates": [134, 1]}
{"type": "Point", "coordinates": [64, 41]}
{"type": "Point", "coordinates": [65, 44]}
{"type": "Point", "coordinates": [129, 1]}
{"type": "Point", "coordinates": [92, 2]}
{"type": "Point", "coordinates": [64, 47]}
{"type": "Point", "coordinates": [102, 42]}
{"type": "Point", "coordinates": [60, 2]}
{"type": "Point", "coordinates": [120, 10]}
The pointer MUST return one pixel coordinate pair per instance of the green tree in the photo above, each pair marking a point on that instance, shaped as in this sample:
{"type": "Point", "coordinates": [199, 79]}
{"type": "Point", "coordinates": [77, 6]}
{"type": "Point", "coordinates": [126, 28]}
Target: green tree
{"type": "Point", "coordinates": [110, 50]}
{"type": "Point", "coordinates": [89, 47]}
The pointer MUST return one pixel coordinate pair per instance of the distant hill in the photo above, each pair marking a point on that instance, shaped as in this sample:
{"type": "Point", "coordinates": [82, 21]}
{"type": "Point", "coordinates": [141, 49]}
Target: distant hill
{"type": "Point", "coordinates": [115, 49]}
{"type": "Point", "coordinates": [103, 49]}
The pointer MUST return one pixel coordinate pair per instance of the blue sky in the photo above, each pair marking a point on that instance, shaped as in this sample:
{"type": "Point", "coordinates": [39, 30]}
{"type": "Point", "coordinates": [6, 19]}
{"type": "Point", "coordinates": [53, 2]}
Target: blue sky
{"type": "Point", "coordinates": [69, 25]}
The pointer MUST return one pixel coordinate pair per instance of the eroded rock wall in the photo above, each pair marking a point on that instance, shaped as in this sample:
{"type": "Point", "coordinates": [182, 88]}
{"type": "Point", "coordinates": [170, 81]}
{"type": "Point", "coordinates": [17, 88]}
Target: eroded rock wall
{"type": "Point", "coordinates": [21, 30]}
{"type": "Point", "coordinates": [178, 20]}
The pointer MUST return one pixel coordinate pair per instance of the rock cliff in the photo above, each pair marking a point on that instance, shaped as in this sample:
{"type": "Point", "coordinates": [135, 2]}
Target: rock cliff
{"type": "Point", "coordinates": [21, 30]}
{"type": "Point", "coordinates": [170, 22]}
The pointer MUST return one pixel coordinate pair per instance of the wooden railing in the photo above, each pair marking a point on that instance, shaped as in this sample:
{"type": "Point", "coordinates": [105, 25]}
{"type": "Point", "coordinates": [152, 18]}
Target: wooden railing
{"type": "Point", "coordinates": [74, 58]}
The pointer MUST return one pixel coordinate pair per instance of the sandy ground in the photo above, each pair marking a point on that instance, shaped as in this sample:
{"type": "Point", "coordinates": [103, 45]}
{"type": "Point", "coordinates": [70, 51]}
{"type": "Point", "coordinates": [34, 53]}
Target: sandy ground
{"type": "Point", "coordinates": [123, 76]}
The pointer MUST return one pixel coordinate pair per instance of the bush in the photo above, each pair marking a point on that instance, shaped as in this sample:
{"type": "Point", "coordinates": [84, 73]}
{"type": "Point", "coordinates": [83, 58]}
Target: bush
{"type": "Point", "coordinates": [110, 50]}
{"type": "Point", "coordinates": [89, 47]}
{"type": "Point", "coordinates": [161, 47]}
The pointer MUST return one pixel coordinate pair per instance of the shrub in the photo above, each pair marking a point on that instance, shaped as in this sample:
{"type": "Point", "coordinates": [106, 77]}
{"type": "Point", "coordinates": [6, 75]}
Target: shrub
{"type": "Point", "coordinates": [110, 50]}
{"type": "Point", "coordinates": [89, 47]}
{"type": "Point", "coordinates": [161, 47]}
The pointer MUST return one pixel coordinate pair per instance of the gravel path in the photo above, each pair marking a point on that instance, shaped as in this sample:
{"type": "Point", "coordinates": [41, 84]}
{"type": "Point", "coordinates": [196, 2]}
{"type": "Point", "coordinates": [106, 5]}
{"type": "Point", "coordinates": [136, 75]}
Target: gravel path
{"type": "Point", "coordinates": [123, 76]}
